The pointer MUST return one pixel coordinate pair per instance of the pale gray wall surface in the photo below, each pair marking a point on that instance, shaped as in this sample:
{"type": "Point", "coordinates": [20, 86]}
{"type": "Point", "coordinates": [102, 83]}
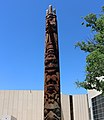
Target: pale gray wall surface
{"type": "Point", "coordinates": [80, 106]}
{"type": "Point", "coordinates": [65, 104]}
{"type": "Point", "coordinates": [22, 104]}
{"type": "Point", "coordinates": [7, 117]}
{"type": "Point", "coordinates": [29, 105]}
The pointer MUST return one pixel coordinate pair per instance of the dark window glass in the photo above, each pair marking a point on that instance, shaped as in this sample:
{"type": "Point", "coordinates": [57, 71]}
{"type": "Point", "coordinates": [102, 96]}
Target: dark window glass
{"type": "Point", "coordinates": [98, 107]}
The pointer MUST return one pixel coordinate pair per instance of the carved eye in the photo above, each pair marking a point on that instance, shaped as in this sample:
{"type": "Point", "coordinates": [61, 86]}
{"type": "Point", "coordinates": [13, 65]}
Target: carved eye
{"type": "Point", "coordinates": [51, 81]}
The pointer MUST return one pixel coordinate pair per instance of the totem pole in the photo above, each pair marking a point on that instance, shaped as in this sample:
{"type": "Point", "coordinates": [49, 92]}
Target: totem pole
{"type": "Point", "coordinates": [52, 103]}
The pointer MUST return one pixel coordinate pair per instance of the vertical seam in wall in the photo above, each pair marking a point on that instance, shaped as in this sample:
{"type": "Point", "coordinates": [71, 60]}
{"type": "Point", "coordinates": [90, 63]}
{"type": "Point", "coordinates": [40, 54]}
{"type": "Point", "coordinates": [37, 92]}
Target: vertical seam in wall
{"type": "Point", "coordinates": [31, 103]}
{"type": "Point", "coordinates": [3, 102]}
{"type": "Point", "coordinates": [8, 102]}
{"type": "Point", "coordinates": [17, 104]}
{"type": "Point", "coordinates": [22, 104]}
{"type": "Point", "coordinates": [71, 108]}
{"type": "Point", "coordinates": [13, 103]}
{"type": "Point", "coordinates": [89, 111]}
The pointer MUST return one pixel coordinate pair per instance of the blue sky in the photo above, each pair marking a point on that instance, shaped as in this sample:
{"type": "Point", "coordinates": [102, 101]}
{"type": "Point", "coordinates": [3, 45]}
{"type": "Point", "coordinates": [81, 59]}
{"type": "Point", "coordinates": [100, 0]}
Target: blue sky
{"type": "Point", "coordinates": [22, 41]}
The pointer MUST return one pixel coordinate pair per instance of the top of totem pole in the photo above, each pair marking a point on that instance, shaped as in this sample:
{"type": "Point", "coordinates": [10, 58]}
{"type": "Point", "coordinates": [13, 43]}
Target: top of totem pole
{"type": "Point", "coordinates": [50, 10]}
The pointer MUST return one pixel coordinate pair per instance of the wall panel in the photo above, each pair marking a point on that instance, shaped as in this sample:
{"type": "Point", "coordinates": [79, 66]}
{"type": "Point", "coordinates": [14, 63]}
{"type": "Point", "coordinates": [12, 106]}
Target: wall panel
{"type": "Point", "coordinates": [29, 105]}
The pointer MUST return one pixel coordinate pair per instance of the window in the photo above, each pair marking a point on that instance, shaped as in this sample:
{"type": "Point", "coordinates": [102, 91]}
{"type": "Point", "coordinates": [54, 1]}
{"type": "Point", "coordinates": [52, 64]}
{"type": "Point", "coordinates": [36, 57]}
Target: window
{"type": "Point", "coordinates": [98, 107]}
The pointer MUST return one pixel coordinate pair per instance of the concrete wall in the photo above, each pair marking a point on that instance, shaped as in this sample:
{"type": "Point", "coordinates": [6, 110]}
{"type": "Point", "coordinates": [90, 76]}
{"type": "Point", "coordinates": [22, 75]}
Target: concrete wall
{"type": "Point", "coordinates": [7, 117]}
{"type": "Point", "coordinates": [80, 106]}
{"type": "Point", "coordinates": [28, 105]}
{"type": "Point", "coordinates": [65, 104]}
{"type": "Point", "coordinates": [23, 105]}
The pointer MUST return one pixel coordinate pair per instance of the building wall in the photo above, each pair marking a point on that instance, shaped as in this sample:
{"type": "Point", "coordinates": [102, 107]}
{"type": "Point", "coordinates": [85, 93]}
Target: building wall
{"type": "Point", "coordinates": [29, 105]}
{"type": "Point", "coordinates": [96, 105]}
{"type": "Point", "coordinates": [65, 104]}
{"type": "Point", "coordinates": [80, 106]}
{"type": "Point", "coordinates": [92, 94]}
{"type": "Point", "coordinates": [23, 105]}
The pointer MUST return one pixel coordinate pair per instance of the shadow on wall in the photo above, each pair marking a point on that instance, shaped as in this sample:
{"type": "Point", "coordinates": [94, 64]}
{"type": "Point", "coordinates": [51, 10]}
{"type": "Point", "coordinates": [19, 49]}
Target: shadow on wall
{"type": "Point", "coordinates": [13, 118]}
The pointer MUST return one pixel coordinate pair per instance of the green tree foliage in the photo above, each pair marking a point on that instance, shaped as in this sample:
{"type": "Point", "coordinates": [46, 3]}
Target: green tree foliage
{"type": "Point", "coordinates": [95, 49]}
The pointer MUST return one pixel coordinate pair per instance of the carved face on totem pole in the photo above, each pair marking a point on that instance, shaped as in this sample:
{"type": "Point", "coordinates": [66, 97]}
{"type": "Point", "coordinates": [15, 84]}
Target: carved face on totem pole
{"type": "Point", "coordinates": [52, 106]}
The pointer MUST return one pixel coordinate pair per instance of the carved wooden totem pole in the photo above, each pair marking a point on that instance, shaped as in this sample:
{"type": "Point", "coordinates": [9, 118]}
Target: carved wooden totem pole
{"type": "Point", "coordinates": [52, 104]}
